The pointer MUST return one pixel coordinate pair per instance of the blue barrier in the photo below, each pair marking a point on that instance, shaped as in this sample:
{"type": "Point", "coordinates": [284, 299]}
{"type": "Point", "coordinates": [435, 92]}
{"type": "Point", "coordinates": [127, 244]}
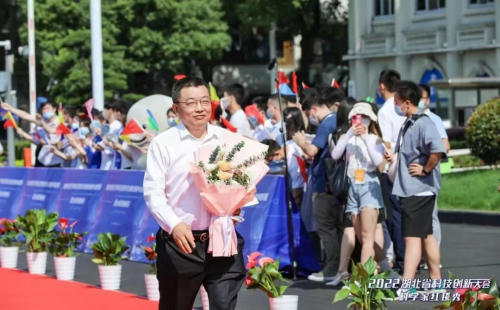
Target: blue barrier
{"type": "Point", "coordinates": [103, 201]}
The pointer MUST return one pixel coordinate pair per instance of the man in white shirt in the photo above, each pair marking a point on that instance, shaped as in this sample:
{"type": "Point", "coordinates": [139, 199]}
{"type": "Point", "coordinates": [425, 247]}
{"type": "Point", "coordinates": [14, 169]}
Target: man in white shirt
{"type": "Point", "coordinates": [234, 95]}
{"type": "Point", "coordinates": [174, 201]}
{"type": "Point", "coordinates": [390, 124]}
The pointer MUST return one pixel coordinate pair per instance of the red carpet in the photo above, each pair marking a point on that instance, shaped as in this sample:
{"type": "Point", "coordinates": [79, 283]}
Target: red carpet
{"type": "Point", "coordinates": [21, 291]}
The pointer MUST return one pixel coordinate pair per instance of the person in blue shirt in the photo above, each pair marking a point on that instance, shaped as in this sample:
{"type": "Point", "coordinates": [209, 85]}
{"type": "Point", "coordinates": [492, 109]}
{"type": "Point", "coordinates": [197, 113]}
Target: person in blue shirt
{"type": "Point", "coordinates": [327, 212]}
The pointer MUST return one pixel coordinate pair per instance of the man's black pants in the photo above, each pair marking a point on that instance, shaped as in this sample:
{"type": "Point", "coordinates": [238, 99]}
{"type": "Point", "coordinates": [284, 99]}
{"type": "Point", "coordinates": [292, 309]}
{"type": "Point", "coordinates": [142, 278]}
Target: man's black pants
{"type": "Point", "coordinates": [180, 275]}
{"type": "Point", "coordinates": [395, 224]}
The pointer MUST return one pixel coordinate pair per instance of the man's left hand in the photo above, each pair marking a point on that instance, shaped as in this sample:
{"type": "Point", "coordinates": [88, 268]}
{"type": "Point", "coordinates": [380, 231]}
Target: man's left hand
{"type": "Point", "coordinates": [300, 138]}
{"type": "Point", "coordinates": [416, 170]}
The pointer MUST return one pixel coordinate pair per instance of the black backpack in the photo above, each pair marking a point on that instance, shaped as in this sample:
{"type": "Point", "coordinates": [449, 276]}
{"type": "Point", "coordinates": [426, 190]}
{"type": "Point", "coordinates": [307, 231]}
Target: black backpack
{"type": "Point", "coordinates": [336, 173]}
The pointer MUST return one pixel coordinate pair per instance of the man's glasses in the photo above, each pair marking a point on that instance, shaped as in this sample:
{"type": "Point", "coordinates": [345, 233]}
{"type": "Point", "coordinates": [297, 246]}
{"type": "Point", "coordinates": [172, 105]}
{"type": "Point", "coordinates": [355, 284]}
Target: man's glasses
{"type": "Point", "coordinates": [190, 104]}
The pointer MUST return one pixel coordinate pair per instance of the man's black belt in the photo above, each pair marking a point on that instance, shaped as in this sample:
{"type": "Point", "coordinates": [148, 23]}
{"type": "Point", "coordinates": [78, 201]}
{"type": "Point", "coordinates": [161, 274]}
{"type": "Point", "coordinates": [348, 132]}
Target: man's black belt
{"type": "Point", "coordinates": [201, 236]}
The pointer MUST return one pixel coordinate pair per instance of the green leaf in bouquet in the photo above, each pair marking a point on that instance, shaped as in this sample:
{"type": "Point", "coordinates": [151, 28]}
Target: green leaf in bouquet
{"type": "Point", "coordinates": [341, 295]}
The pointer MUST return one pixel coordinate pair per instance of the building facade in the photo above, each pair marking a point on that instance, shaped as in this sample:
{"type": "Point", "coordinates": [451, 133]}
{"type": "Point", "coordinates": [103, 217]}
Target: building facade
{"type": "Point", "coordinates": [424, 40]}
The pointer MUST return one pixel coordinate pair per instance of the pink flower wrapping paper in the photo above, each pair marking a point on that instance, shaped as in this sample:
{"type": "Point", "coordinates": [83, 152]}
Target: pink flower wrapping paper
{"type": "Point", "coordinates": [224, 200]}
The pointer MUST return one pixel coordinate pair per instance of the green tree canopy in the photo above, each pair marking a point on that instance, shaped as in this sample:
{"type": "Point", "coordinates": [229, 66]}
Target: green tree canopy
{"type": "Point", "coordinates": [141, 38]}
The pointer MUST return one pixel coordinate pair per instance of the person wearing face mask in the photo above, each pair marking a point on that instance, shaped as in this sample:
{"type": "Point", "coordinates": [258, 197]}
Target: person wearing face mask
{"type": "Point", "coordinates": [261, 104]}
{"type": "Point", "coordinates": [417, 180]}
{"type": "Point", "coordinates": [273, 107]}
{"type": "Point", "coordinates": [234, 97]}
{"type": "Point", "coordinates": [390, 123]}
{"type": "Point", "coordinates": [423, 106]}
{"type": "Point", "coordinates": [172, 118]}
{"type": "Point", "coordinates": [48, 120]}
{"type": "Point", "coordinates": [115, 113]}
{"type": "Point", "coordinates": [324, 104]}
{"type": "Point", "coordinates": [73, 151]}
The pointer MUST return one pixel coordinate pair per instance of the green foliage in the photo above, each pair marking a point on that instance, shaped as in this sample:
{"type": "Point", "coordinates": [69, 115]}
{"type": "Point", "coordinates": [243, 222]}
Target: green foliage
{"type": "Point", "coordinates": [236, 149]}
{"type": "Point", "coordinates": [9, 233]}
{"type": "Point", "coordinates": [364, 297]}
{"type": "Point", "coordinates": [213, 156]}
{"type": "Point", "coordinates": [483, 131]}
{"type": "Point", "coordinates": [65, 243]}
{"type": "Point", "coordinates": [109, 249]}
{"type": "Point", "coordinates": [38, 228]}
{"type": "Point", "coordinates": [141, 39]}
{"type": "Point", "coordinates": [263, 278]}
{"type": "Point", "coordinates": [481, 298]}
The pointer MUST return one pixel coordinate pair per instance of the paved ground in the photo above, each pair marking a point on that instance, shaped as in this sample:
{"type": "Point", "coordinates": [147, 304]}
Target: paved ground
{"type": "Point", "coordinates": [468, 251]}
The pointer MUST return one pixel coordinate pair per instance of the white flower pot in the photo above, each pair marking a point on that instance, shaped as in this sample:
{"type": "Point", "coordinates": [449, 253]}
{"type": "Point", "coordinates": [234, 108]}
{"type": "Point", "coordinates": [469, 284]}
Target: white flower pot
{"type": "Point", "coordinates": [8, 256]}
{"type": "Point", "coordinates": [37, 262]}
{"type": "Point", "coordinates": [204, 298]}
{"type": "Point", "coordinates": [286, 302]}
{"type": "Point", "coordinates": [110, 277]}
{"type": "Point", "coordinates": [152, 287]}
{"type": "Point", "coordinates": [65, 268]}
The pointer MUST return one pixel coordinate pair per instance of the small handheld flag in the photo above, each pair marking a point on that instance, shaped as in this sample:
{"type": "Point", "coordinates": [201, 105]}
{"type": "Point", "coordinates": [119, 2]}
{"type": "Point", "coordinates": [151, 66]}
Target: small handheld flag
{"type": "Point", "coordinates": [43, 135]}
{"type": "Point", "coordinates": [89, 105]}
{"type": "Point", "coordinates": [369, 99]}
{"type": "Point", "coordinates": [62, 129]}
{"type": "Point", "coordinates": [335, 84]}
{"type": "Point", "coordinates": [133, 127]}
{"type": "Point", "coordinates": [228, 125]}
{"type": "Point", "coordinates": [304, 86]}
{"type": "Point", "coordinates": [8, 116]}
{"type": "Point", "coordinates": [295, 87]}
{"type": "Point", "coordinates": [153, 124]}
{"type": "Point", "coordinates": [213, 93]}
{"type": "Point", "coordinates": [179, 77]}
{"type": "Point", "coordinates": [252, 110]}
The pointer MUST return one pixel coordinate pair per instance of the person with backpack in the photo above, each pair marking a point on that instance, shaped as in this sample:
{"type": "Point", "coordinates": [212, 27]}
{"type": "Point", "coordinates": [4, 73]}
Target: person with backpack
{"type": "Point", "coordinates": [417, 179]}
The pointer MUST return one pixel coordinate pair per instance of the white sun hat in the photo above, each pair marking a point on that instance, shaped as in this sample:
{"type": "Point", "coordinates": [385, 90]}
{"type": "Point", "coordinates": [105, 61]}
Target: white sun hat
{"type": "Point", "coordinates": [363, 108]}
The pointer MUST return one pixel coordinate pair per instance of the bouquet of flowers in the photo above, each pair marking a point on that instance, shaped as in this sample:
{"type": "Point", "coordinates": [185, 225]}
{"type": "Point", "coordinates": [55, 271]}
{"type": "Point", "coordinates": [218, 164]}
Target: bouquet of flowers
{"type": "Point", "coordinates": [150, 253]}
{"type": "Point", "coordinates": [227, 180]}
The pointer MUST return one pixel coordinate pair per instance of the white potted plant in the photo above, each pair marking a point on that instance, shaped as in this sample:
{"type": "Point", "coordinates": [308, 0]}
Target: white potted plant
{"type": "Point", "coordinates": [108, 252]}
{"type": "Point", "coordinates": [262, 274]}
{"type": "Point", "coordinates": [151, 281]}
{"type": "Point", "coordinates": [62, 247]}
{"type": "Point", "coordinates": [9, 250]}
{"type": "Point", "coordinates": [38, 229]}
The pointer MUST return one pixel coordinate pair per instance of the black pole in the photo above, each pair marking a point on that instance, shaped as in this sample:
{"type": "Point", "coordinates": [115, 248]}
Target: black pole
{"type": "Point", "coordinates": [291, 241]}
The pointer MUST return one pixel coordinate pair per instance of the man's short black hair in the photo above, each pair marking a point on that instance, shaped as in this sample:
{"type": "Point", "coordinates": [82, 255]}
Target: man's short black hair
{"type": "Point", "coordinates": [407, 90]}
{"type": "Point", "coordinates": [330, 95]}
{"type": "Point", "coordinates": [273, 147]}
{"type": "Point", "coordinates": [261, 103]}
{"type": "Point", "coordinates": [237, 91]}
{"type": "Point", "coordinates": [188, 81]}
{"type": "Point", "coordinates": [425, 88]}
{"type": "Point", "coordinates": [388, 78]}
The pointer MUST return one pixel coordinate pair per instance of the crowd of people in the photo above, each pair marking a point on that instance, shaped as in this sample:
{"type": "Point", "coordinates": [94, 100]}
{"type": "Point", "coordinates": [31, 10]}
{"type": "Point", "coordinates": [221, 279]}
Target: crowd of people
{"type": "Point", "coordinates": [391, 157]}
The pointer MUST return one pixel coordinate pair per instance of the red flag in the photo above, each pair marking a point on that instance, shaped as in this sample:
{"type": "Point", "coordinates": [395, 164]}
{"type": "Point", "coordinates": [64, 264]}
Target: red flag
{"type": "Point", "coordinates": [132, 127]}
{"type": "Point", "coordinates": [252, 110]}
{"type": "Point", "coordinates": [179, 77]}
{"type": "Point", "coordinates": [302, 167]}
{"type": "Point", "coordinates": [228, 125]}
{"type": "Point", "coordinates": [295, 87]}
{"type": "Point", "coordinates": [61, 129]}
{"type": "Point", "coordinates": [282, 79]}
{"type": "Point", "coordinates": [335, 84]}
{"type": "Point", "coordinates": [215, 104]}
{"type": "Point", "coordinates": [8, 123]}
{"type": "Point", "coordinates": [304, 86]}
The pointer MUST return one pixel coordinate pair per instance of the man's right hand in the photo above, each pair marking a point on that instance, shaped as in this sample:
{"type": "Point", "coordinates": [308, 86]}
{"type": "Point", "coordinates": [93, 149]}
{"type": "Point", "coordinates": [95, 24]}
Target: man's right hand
{"type": "Point", "coordinates": [183, 237]}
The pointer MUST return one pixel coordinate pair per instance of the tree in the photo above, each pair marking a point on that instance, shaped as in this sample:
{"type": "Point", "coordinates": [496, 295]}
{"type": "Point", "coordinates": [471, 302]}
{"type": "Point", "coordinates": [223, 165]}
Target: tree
{"type": "Point", "coordinates": [483, 132]}
{"type": "Point", "coordinates": [142, 39]}
{"type": "Point", "coordinates": [309, 18]}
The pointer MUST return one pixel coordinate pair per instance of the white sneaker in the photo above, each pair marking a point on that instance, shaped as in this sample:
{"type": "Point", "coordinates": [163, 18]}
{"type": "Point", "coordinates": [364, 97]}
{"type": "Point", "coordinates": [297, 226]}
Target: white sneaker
{"type": "Point", "coordinates": [338, 279]}
{"type": "Point", "coordinates": [319, 277]}
{"type": "Point", "coordinates": [427, 267]}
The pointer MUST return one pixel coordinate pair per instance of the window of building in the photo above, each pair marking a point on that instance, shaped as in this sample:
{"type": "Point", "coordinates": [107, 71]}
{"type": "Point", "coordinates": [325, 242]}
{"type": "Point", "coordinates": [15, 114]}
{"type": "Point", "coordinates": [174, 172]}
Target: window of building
{"type": "Point", "coordinates": [430, 5]}
{"type": "Point", "coordinates": [481, 2]}
{"type": "Point", "coordinates": [384, 7]}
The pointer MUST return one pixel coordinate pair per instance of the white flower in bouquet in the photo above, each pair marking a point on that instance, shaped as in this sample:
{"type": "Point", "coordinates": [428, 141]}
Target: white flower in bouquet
{"type": "Point", "coordinates": [234, 183]}
{"type": "Point", "coordinates": [211, 167]}
{"type": "Point", "coordinates": [222, 151]}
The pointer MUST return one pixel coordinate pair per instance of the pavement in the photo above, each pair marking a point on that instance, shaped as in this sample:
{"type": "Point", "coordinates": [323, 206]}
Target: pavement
{"type": "Point", "coordinates": [469, 251]}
